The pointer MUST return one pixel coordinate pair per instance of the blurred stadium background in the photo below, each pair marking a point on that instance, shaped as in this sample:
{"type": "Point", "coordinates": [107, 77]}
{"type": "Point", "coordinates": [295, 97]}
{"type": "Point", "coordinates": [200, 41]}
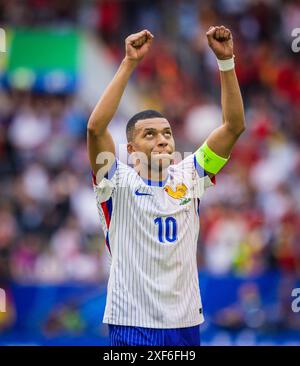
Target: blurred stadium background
{"type": "Point", "coordinates": [60, 56]}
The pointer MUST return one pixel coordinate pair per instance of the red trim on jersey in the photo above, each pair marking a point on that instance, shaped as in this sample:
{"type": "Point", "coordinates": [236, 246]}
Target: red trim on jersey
{"type": "Point", "coordinates": [106, 213]}
{"type": "Point", "coordinates": [94, 178]}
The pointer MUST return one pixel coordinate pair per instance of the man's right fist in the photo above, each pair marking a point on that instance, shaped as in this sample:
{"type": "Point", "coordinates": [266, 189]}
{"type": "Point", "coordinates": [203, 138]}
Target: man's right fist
{"type": "Point", "coordinates": [138, 44]}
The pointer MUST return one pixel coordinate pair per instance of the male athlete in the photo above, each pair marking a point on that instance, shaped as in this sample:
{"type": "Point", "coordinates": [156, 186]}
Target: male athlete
{"type": "Point", "coordinates": [150, 213]}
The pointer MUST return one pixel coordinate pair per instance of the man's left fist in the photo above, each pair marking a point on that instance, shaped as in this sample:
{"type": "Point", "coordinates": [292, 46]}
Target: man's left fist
{"type": "Point", "coordinates": [220, 41]}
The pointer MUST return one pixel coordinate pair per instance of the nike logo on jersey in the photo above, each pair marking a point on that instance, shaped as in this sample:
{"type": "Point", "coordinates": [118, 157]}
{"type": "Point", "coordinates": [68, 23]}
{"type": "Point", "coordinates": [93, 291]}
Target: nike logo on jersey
{"type": "Point", "coordinates": [142, 193]}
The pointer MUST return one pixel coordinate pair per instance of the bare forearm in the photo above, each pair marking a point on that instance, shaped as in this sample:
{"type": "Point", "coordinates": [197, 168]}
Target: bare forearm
{"type": "Point", "coordinates": [110, 100]}
{"type": "Point", "coordinates": [99, 139]}
{"type": "Point", "coordinates": [232, 103]}
{"type": "Point", "coordinates": [223, 138]}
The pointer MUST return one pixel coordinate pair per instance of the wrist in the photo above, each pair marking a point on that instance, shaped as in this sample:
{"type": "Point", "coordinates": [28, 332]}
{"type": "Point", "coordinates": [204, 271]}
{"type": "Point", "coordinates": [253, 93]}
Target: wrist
{"type": "Point", "coordinates": [130, 63]}
{"type": "Point", "coordinates": [226, 64]}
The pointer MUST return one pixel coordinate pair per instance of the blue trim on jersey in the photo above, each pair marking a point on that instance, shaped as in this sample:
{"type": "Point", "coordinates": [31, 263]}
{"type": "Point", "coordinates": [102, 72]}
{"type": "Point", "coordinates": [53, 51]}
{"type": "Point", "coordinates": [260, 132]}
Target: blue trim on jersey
{"type": "Point", "coordinates": [109, 207]}
{"type": "Point", "coordinates": [107, 241]}
{"type": "Point", "coordinates": [154, 183]}
{"type": "Point", "coordinates": [109, 174]}
{"type": "Point", "coordinates": [112, 170]}
{"type": "Point", "coordinates": [198, 206]}
{"type": "Point", "coordinates": [201, 172]}
{"type": "Point", "coordinates": [121, 335]}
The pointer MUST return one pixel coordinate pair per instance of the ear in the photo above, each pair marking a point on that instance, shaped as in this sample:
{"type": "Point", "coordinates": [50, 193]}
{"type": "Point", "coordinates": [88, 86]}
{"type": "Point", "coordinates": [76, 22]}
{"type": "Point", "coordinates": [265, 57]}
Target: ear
{"type": "Point", "coordinates": [130, 148]}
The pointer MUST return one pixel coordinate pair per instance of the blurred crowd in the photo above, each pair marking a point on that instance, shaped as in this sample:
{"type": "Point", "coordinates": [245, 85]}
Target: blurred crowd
{"type": "Point", "coordinates": [49, 226]}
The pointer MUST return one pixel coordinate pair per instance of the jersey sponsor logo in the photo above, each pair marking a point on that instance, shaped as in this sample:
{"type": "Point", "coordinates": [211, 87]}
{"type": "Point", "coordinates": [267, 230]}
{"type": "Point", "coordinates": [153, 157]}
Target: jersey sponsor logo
{"type": "Point", "coordinates": [180, 192]}
{"type": "Point", "coordinates": [138, 193]}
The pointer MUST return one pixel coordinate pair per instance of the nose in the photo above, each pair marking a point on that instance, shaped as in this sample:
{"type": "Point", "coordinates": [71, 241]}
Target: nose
{"type": "Point", "coordinates": [162, 141]}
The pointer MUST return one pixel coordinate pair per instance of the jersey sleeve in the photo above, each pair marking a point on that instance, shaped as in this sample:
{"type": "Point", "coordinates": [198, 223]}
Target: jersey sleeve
{"type": "Point", "coordinates": [202, 179]}
{"type": "Point", "coordinates": [105, 187]}
{"type": "Point", "coordinates": [194, 175]}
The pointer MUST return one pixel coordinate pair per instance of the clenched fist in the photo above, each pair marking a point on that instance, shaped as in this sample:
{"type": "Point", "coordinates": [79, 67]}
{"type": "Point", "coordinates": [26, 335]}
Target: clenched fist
{"type": "Point", "coordinates": [138, 44]}
{"type": "Point", "coordinates": [220, 41]}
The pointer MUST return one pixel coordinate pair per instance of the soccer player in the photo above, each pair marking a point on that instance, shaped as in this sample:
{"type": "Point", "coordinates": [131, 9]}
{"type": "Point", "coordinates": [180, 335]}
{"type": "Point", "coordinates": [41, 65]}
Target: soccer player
{"type": "Point", "coordinates": [150, 212]}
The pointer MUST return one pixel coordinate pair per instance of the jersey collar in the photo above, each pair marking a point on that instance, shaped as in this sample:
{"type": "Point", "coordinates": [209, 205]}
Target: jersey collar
{"type": "Point", "coordinates": [155, 183]}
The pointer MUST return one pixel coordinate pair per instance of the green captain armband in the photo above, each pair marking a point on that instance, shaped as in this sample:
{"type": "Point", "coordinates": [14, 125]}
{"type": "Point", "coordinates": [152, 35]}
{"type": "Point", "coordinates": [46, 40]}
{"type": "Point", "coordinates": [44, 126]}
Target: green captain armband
{"type": "Point", "coordinates": [208, 160]}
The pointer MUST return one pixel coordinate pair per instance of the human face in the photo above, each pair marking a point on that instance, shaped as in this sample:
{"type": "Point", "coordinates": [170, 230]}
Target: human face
{"type": "Point", "coordinates": [153, 137]}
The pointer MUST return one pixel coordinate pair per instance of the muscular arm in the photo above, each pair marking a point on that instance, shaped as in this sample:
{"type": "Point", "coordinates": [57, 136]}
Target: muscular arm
{"type": "Point", "coordinates": [98, 137]}
{"type": "Point", "coordinates": [222, 139]}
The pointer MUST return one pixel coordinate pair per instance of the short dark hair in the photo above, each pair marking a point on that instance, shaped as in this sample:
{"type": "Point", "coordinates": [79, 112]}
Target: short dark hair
{"type": "Point", "coordinates": [148, 113]}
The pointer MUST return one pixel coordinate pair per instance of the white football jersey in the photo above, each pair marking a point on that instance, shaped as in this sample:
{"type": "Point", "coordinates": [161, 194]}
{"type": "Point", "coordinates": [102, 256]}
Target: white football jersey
{"type": "Point", "coordinates": [151, 231]}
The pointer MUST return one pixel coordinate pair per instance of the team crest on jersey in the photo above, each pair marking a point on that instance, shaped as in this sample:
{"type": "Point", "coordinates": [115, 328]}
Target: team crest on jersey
{"type": "Point", "coordinates": [178, 193]}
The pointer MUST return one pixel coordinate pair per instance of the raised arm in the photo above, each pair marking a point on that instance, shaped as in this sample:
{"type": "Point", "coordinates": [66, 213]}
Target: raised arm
{"type": "Point", "coordinates": [98, 137]}
{"type": "Point", "coordinates": [222, 139]}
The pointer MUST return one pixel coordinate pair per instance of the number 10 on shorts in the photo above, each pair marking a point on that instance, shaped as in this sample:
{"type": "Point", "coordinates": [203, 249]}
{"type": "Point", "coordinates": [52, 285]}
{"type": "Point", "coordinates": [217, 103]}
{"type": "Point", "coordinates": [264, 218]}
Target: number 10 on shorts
{"type": "Point", "coordinates": [167, 229]}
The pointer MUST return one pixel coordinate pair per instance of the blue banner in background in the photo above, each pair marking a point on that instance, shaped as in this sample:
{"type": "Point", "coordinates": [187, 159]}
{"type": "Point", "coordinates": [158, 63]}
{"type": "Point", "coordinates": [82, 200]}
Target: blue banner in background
{"type": "Point", "coordinates": [237, 310]}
